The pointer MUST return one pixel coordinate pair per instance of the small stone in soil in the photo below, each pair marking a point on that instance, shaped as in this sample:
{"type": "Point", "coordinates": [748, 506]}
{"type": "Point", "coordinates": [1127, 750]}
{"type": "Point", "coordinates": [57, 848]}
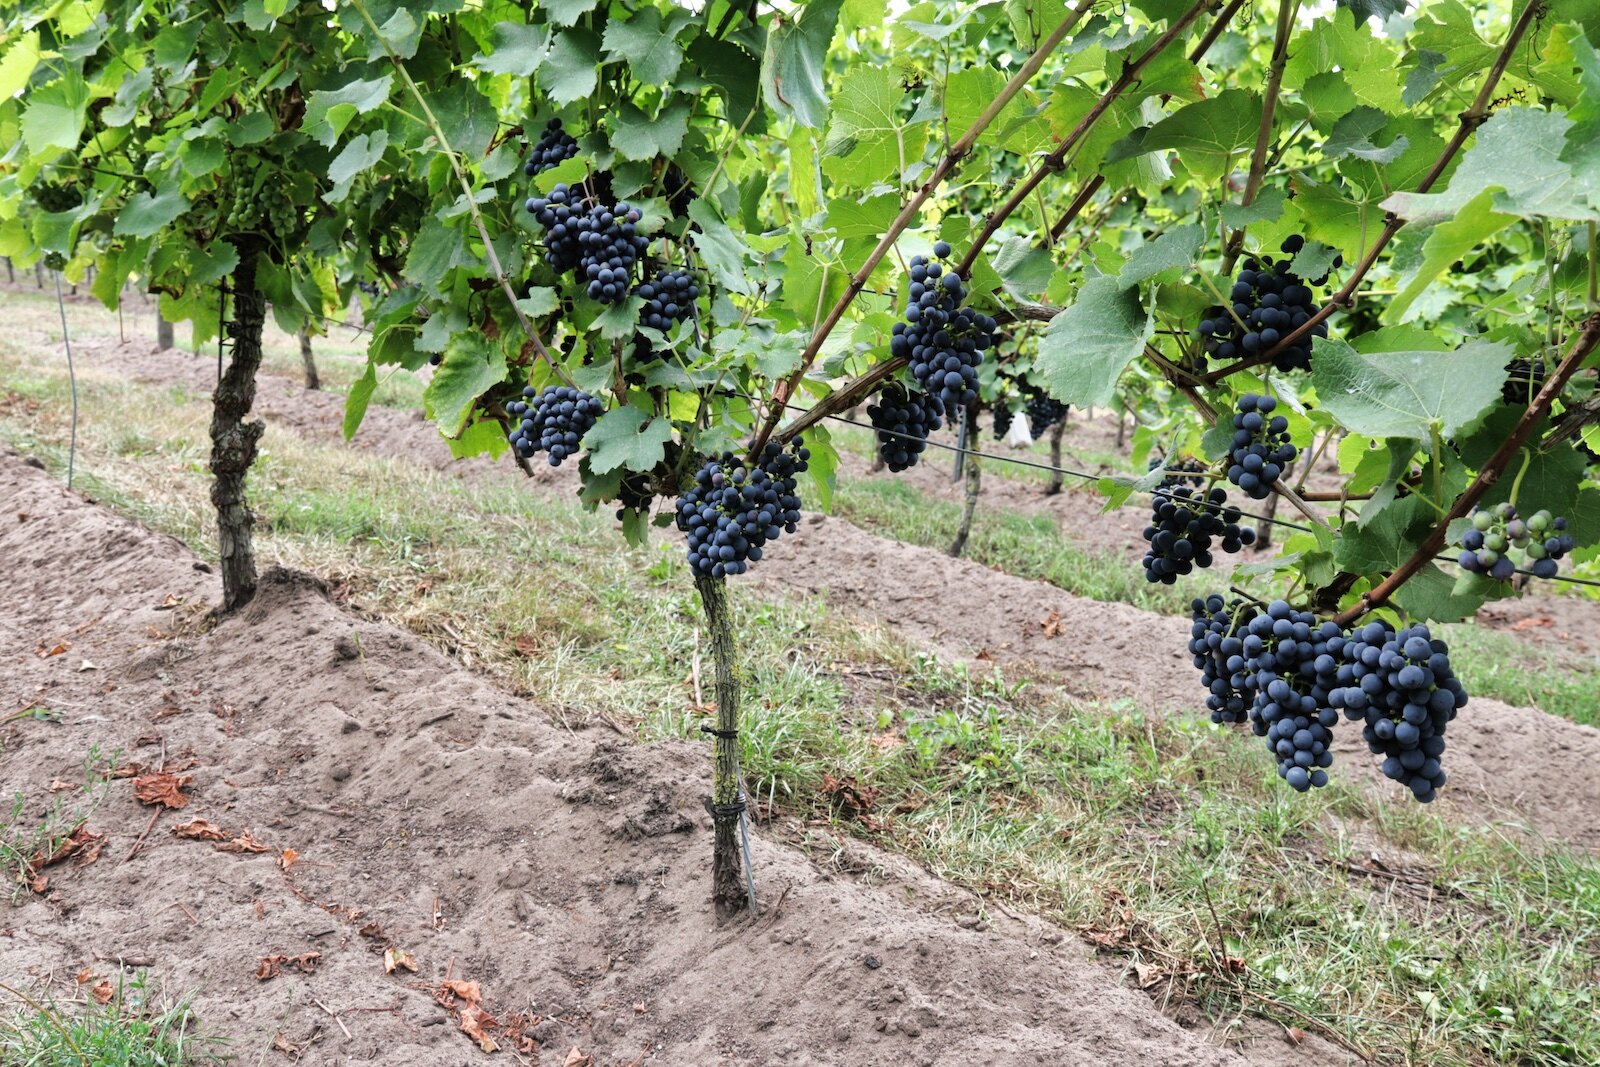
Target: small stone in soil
{"type": "Point", "coordinates": [873, 962]}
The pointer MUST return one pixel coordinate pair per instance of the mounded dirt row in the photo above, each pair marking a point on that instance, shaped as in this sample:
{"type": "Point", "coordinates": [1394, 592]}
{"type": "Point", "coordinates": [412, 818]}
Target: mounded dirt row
{"type": "Point", "coordinates": [1504, 762]}
{"type": "Point", "coordinates": [566, 873]}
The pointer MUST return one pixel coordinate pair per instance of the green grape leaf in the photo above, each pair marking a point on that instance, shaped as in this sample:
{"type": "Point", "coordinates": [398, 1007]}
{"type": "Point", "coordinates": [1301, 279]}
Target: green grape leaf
{"type": "Point", "coordinates": [55, 115]}
{"type": "Point", "coordinates": [486, 437]}
{"type": "Point", "coordinates": [1268, 207]}
{"type": "Point", "coordinates": [1551, 482]}
{"type": "Point", "coordinates": [1381, 9]}
{"type": "Point", "coordinates": [1540, 184]}
{"type": "Point", "coordinates": [539, 300]}
{"type": "Point", "coordinates": [1174, 250]}
{"type": "Point", "coordinates": [435, 250]}
{"type": "Point", "coordinates": [566, 12]}
{"type": "Point", "coordinates": [636, 135]}
{"type": "Point", "coordinates": [1352, 136]}
{"type": "Point", "coordinates": [1582, 147]}
{"type": "Point", "coordinates": [1447, 242]}
{"type": "Point", "coordinates": [518, 50]}
{"type": "Point", "coordinates": [1208, 133]}
{"type": "Point", "coordinates": [1086, 347]}
{"type": "Point", "coordinates": [721, 250]}
{"type": "Point", "coordinates": [358, 156]}
{"type": "Point", "coordinates": [646, 44]}
{"type": "Point", "coordinates": [330, 111]}
{"type": "Point", "coordinates": [20, 61]}
{"type": "Point", "coordinates": [471, 367]}
{"type": "Point", "coordinates": [868, 138]}
{"type": "Point", "coordinates": [618, 321]}
{"type": "Point", "coordinates": [1404, 394]}
{"type": "Point", "coordinates": [627, 437]}
{"type": "Point", "coordinates": [1023, 266]}
{"type": "Point", "coordinates": [793, 65]}
{"type": "Point", "coordinates": [360, 396]}
{"type": "Point", "coordinates": [822, 465]}
{"type": "Point", "coordinates": [144, 215]}
{"type": "Point", "coordinates": [215, 261]}
{"type": "Point", "coordinates": [1391, 536]}
{"type": "Point", "coordinates": [1430, 595]}
{"type": "Point", "coordinates": [569, 71]}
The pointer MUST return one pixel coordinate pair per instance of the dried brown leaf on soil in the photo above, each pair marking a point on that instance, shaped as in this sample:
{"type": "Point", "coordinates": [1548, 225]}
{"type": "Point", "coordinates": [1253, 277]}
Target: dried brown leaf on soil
{"type": "Point", "coordinates": [245, 842]}
{"type": "Point", "coordinates": [270, 967]}
{"type": "Point", "coordinates": [1051, 624]}
{"type": "Point", "coordinates": [45, 652]}
{"type": "Point", "coordinates": [200, 830]}
{"type": "Point", "coordinates": [288, 858]}
{"type": "Point", "coordinates": [576, 1058]}
{"type": "Point", "coordinates": [306, 961]}
{"type": "Point", "coordinates": [82, 843]}
{"type": "Point", "coordinates": [848, 793]}
{"type": "Point", "coordinates": [57, 785]}
{"type": "Point", "coordinates": [163, 788]}
{"type": "Point", "coordinates": [525, 644]}
{"type": "Point", "coordinates": [102, 992]}
{"type": "Point", "coordinates": [287, 1047]}
{"type": "Point", "coordinates": [475, 1022]}
{"type": "Point", "coordinates": [85, 976]}
{"type": "Point", "coordinates": [394, 958]}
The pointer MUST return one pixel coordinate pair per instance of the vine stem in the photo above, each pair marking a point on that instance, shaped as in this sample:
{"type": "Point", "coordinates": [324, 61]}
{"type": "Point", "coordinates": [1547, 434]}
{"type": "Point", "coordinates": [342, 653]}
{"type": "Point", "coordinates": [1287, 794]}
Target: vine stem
{"type": "Point", "coordinates": [946, 165]}
{"type": "Point", "coordinates": [1470, 120]}
{"type": "Point", "coordinates": [1053, 161]}
{"type": "Point", "coordinates": [1587, 339]}
{"type": "Point", "coordinates": [490, 254]}
{"type": "Point", "coordinates": [859, 388]}
{"type": "Point", "coordinates": [1269, 110]}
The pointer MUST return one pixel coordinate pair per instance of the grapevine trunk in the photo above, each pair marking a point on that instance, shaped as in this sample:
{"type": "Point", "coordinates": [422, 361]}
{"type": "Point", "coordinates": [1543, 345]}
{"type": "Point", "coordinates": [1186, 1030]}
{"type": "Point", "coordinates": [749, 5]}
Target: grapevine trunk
{"type": "Point", "coordinates": [312, 382]}
{"type": "Point", "coordinates": [727, 890]}
{"type": "Point", "coordinates": [163, 330]}
{"type": "Point", "coordinates": [233, 440]}
{"type": "Point", "coordinates": [1055, 458]}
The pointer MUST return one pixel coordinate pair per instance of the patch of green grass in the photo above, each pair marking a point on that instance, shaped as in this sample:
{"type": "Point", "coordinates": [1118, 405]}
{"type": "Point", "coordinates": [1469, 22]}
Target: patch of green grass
{"type": "Point", "coordinates": [1168, 842]}
{"type": "Point", "coordinates": [29, 837]}
{"type": "Point", "coordinates": [1028, 546]}
{"type": "Point", "coordinates": [1499, 665]}
{"type": "Point", "coordinates": [133, 1029]}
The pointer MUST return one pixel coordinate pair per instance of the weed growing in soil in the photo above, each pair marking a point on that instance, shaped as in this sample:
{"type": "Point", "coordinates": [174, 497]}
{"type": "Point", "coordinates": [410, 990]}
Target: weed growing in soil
{"type": "Point", "coordinates": [25, 839]}
{"type": "Point", "coordinates": [131, 1029]}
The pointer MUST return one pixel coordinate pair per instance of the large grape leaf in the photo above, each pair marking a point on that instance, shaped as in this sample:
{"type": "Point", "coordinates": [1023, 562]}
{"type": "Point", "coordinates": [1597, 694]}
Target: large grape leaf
{"type": "Point", "coordinates": [471, 366]}
{"type": "Point", "coordinates": [636, 135]}
{"type": "Point", "coordinates": [1448, 242]}
{"type": "Point", "coordinates": [1208, 133]}
{"type": "Point", "coordinates": [568, 72]}
{"type": "Point", "coordinates": [329, 111]}
{"type": "Point", "coordinates": [1582, 148]}
{"type": "Point", "coordinates": [55, 115]}
{"type": "Point", "coordinates": [1430, 595]}
{"type": "Point", "coordinates": [1173, 250]}
{"type": "Point", "coordinates": [19, 63]}
{"type": "Point", "coordinates": [869, 139]}
{"type": "Point", "coordinates": [145, 213]}
{"type": "Point", "coordinates": [648, 45]}
{"type": "Point", "coordinates": [1391, 536]}
{"type": "Point", "coordinates": [1539, 184]}
{"type": "Point", "coordinates": [518, 49]}
{"type": "Point", "coordinates": [1406, 394]}
{"type": "Point", "coordinates": [1086, 347]}
{"type": "Point", "coordinates": [792, 68]}
{"type": "Point", "coordinates": [627, 437]}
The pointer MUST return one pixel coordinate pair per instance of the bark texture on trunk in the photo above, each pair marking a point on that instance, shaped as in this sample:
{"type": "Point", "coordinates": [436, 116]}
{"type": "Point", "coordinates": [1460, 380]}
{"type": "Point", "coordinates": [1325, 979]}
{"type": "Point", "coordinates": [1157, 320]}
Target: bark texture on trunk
{"type": "Point", "coordinates": [1055, 458]}
{"type": "Point", "coordinates": [974, 475]}
{"type": "Point", "coordinates": [727, 887]}
{"type": "Point", "coordinates": [312, 382]}
{"type": "Point", "coordinates": [163, 331]}
{"type": "Point", "coordinates": [233, 440]}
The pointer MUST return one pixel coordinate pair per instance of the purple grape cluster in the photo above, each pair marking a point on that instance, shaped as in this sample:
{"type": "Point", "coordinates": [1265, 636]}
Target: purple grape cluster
{"type": "Point", "coordinates": [1215, 640]}
{"type": "Point", "coordinates": [552, 421]}
{"type": "Point", "coordinates": [600, 243]}
{"type": "Point", "coordinates": [1044, 411]}
{"type": "Point", "coordinates": [941, 340]}
{"type": "Point", "coordinates": [1494, 533]}
{"type": "Point", "coordinates": [1525, 376]}
{"type": "Point", "coordinates": [554, 147]}
{"type": "Point", "coordinates": [734, 509]}
{"type": "Point", "coordinates": [1261, 452]}
{"type": "Point", "coordinates": [1185, 470]}
{"type": "Point", "coordinates": [903, 419]}
{"type": "Point", "coordinates": [1003, 416]}
{"type": "Point", "coordinates": [1183, 523]}
{"type": "Point", "coordinates": [1268, 302]}
{"type": "Point", "coordinates": [1290, 661]}
{"type": "Point", "coordinates": [1402, 686]}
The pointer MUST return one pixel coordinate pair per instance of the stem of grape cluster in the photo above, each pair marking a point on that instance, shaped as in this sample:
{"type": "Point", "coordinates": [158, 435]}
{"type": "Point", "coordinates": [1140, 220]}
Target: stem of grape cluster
{"type": "Point", "coordinates": [489, 252]}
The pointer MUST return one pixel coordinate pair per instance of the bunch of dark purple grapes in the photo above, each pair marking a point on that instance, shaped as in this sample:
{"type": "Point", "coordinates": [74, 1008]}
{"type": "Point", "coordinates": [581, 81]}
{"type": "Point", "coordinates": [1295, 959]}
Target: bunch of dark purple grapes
{"type": "Point", "coordinates": [600, 243]}
{"type": "Point", "coordinates": [941, 340]}
{"type": "Point", "coordinates": [1268, 302]}
{"type": "Point", "coordinates": [554, 147]}
{"type": "Point", "coordinates": [903, 418]}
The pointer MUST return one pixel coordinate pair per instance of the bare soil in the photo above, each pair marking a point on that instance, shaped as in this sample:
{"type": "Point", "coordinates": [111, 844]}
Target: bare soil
{"type": "Point", "coordinates": [405, 804]}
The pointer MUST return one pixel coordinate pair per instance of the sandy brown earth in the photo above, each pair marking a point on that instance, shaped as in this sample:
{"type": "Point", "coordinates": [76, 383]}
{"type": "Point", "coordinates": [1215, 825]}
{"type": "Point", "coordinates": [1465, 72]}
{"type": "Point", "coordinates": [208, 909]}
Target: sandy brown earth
{"type": "Point", "coordinates": [405, 804]}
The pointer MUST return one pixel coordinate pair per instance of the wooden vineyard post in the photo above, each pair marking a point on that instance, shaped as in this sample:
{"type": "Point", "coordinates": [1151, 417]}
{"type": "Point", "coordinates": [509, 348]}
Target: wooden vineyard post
{"type": "Point", "coordinates": [974, 476]}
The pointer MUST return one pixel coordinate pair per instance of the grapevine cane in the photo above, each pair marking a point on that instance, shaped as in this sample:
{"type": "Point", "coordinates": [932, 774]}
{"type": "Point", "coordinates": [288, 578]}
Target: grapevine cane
{"type": "Point", "coordinates": [946, 165]}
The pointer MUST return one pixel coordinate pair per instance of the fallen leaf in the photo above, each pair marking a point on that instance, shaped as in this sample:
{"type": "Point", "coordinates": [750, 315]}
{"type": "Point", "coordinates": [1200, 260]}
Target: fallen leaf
{"type": "Point", "coordinates": [200, 830]}
{"type": "Point", "coordinates": [163, 788]}
{"type": "Point", "coordinates": [474, 1021]}
{"type": "Point", "coordinates": [307, 961]}
{"type": "Point", "coordinates": [82, 843]}
{"type": "Point", "coordinates": [470, 992]}
{"type": "Point", "coordinates": [576, 1058]}
{"type": "Point", "coordinates": [394, 958]}
{"type": "Point", "coordinates": [1051, 624]}
{"type": "Point", "coordinates": [848, 793]}
{"type": "Point", "coordinates": [85, 976]}
{"type": "Point", "coordinates": [270, 966]}
{"type": "Point", "coordinates": [168, 602]}
{"type": "Point", "coordinates": [129, 770]}
{"type": "Point", "coordinates": [245, 842]}
{"type": "Point", "coordinates": [287, 858]}
{"type": "Point", "coordinates": [102, 992]}
{"type": "Point", "coordinates": [525, 644]}
{"type": "Point", "coordinates": [1295, 1035]}
{"type": "Point", "coordinates": [285, 1046]}
{"type": "Point", "coordinates": [56, 650]}
{"type": "Point", "coordinates": [85, 665]}
{"type": "Point", "coordinates": [57, 785]}
{"type": "Point", "coordinates": [1148, 974]}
